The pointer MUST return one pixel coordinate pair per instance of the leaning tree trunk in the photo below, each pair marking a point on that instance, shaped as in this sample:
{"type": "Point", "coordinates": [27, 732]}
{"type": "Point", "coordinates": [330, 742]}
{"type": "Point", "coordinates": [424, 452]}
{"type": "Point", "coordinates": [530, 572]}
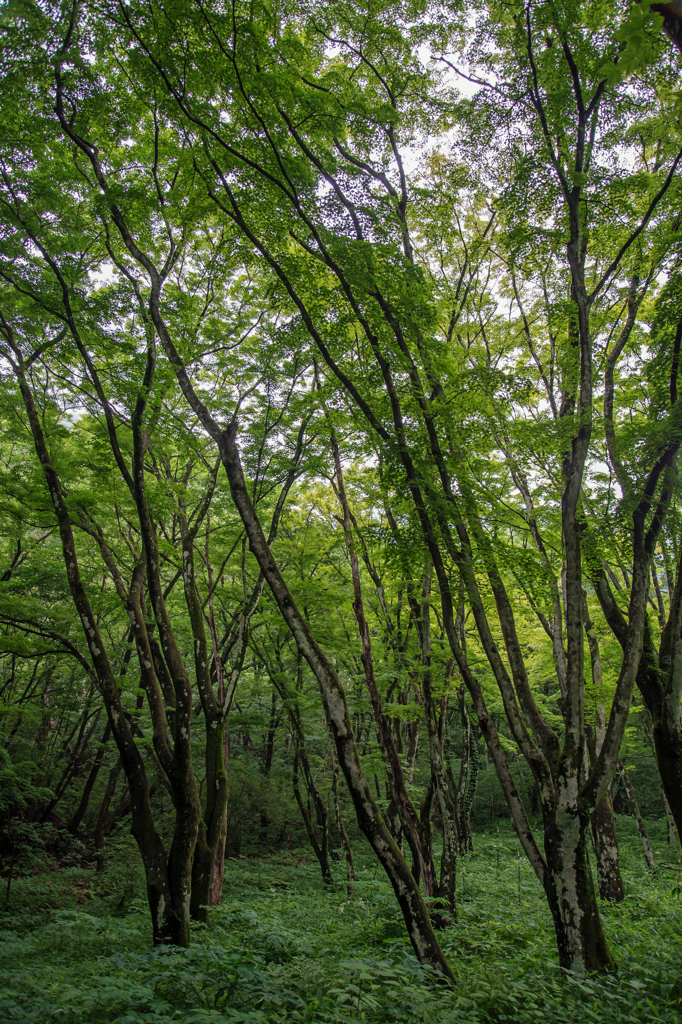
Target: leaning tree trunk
{"type": "Point", "coordinates": [144, 829]}
{"type": "Point", "coordinates": [419, 928]}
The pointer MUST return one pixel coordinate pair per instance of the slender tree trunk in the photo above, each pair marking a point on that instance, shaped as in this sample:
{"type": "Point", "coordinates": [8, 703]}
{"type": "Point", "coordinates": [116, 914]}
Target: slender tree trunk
{"type": "Point", "coordinates": [413, 830]}
{"type": "Point", "coordinates": [465, 790]}
{"type": "Point", "coordinates": [672, 837]}
{"type": "Point", "coordinates": [267, 764]}
{"type": "Point", "coordinates": [446, 805]}
{"type": "Point", "coordinates": [345, 842]}
{"type": "Point", "coordinates": [79, 814]}
{"type": "Point", "coordinates": [144, 829]}
{"type": "Point", "coordinates": [603, 820]}
{"type": "Point", "coordinates": [636, 814]}
{"type": "Point", "coordinates": [103, 813]}
{"type": "Point", "coordinates": [321, 846]}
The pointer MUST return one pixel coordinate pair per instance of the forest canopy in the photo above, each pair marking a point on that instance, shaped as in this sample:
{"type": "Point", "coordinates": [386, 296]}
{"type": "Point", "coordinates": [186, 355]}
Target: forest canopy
{"type": "Point", "coordinates": [339, 437]}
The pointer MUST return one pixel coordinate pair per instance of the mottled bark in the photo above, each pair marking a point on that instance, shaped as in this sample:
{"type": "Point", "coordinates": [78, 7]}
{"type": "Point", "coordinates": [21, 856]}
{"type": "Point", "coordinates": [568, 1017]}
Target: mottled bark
{"type": "Point", "coordinates": [605, 841]}
{"type": "Point", "coordinates": [570, 892]}
{"type": "Point", "coordinates": [345, 842]}
{"type": "Point", "coordinates": [603, 821]}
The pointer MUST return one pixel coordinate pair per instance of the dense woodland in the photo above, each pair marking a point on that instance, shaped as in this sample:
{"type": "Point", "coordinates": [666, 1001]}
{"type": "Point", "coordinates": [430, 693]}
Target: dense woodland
{"type": "Point", "coordinates": [341, 523]}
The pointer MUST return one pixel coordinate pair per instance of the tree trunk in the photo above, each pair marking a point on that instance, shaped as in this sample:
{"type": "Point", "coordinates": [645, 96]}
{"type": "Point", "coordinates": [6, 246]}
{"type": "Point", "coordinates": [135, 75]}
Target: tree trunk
{"type": "Point", "coordinates": [267, 764]}
{"type": "Point", "coordinates": [659, 681]}
{"type": "Point", "coordinates": [603, 821]}
{"type": "Point", "coordinates": [414, 830]}
{"type": "Point", "coordinates": [205, 871]}
{"type": "Point", "coordinates": [215, 892]}
{"type": "Point", "coordinates": [465, 790]}
{"type": "Point", "coordinates": [635, 812]}
{"type": "Point", "coordinates": [570, 891]}
{"type": "Point", "coordinates": [605, 841]}
{"type": "Point", "coordinates": [103, 813]}
{"type": "Point", "coordinates": [345, 842]}
{"type": "Point", "coordinates": [320, 847]}
{"type": "Point", "coordinates": [79, 814]}
{"type": "Point", "coordinates": [448, 866]}
{"type": "Point", "coordinates": [144, 829]}
{"type": "Point", "coordinates": [419, 928]}
{"type": "Point", "coordinates": [672, 838]}
{"type": "Point", "coordinates": [667, 737]}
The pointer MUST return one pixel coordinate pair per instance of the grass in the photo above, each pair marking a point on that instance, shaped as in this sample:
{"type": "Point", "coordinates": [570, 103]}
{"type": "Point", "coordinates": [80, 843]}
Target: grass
{"type": "Point", "coordinates": [76, 949]}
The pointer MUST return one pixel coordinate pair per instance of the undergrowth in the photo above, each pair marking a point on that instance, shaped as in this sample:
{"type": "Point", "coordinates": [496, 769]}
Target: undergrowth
{"type": "Point", "coordinates": [75, 949]}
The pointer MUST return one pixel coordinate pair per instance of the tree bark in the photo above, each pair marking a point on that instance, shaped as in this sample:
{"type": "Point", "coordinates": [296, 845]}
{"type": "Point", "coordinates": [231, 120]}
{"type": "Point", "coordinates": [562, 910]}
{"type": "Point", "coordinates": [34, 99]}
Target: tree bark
{"type": "Point", "coordinates": [570, 892]}
{"type": "Point", "coordinates": [345, 842]}
{"type": "Point", "coordinates": [605, 841]}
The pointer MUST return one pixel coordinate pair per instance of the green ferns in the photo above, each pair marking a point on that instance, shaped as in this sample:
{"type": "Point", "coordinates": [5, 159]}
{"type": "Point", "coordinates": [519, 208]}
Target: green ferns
{"type": "Point", "coordinates": [284, 954]}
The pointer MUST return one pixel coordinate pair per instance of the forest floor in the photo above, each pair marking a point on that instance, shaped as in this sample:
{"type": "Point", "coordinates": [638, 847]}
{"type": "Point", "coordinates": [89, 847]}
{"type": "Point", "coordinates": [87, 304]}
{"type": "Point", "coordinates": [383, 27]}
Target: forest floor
{"type": "Point", "coordinates": [75, 948]}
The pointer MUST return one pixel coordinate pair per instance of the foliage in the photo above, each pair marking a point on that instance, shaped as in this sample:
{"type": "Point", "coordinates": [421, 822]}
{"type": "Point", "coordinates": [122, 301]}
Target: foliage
{"type": "Point", "coordinates": [282, 949]}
